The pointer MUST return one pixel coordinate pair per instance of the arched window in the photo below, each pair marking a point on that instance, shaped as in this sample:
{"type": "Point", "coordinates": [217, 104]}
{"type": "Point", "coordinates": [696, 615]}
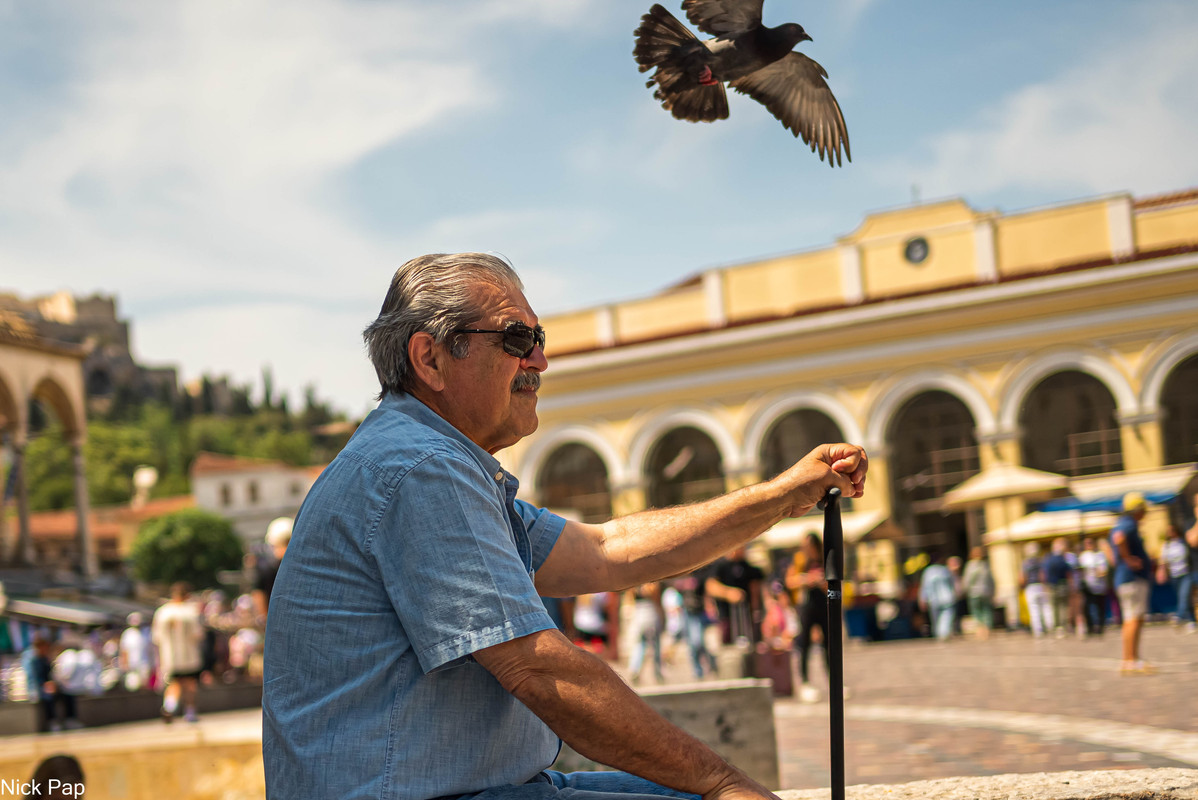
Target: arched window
{"type": "Point", "coordinates": [683, 467]}
{"type": "Point", "coordinates": [1068, 426]}
{"type": "Point", "coordinates": [1179, 402]}
{"type": "Point", "coordinates": [793, 436]}
{"type": "Point", "coordinates": [933, 448]}
{"type": "Point", "coordinates": [574, 480]}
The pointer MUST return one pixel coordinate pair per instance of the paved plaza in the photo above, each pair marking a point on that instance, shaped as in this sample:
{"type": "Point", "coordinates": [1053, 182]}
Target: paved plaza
{"type": "Point", "coordinates": [920, 709]}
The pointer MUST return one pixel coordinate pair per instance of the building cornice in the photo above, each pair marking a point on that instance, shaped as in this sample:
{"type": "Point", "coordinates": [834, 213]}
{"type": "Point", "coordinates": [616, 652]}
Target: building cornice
{"type": "Point", "coordinates": [897, 350]}
{"type": "Point", "coordinates": [881, 310]}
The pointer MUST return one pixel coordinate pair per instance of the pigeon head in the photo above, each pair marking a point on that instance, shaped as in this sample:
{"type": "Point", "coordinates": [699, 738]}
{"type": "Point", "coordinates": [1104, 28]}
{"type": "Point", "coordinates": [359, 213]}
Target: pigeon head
{"type": "Point", "coordinates": [792, 33]}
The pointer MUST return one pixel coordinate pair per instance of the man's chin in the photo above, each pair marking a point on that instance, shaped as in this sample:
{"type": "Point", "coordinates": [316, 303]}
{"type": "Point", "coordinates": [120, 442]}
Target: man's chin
{"type": "Point", "coordinates": [514, 439]}
{"type": "Point", "coordinates": [533, 425]}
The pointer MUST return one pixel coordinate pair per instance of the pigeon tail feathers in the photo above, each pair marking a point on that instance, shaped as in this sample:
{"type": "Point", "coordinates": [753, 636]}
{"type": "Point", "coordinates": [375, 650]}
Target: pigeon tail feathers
{"type": "Point", "coordinates": [659, 37]}
{"type": "Point", "coordinates": [667, 46]}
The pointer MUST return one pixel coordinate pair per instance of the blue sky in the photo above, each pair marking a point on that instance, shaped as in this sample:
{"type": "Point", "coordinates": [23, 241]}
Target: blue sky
{"type": "Point", "coordinates": [246, 175]}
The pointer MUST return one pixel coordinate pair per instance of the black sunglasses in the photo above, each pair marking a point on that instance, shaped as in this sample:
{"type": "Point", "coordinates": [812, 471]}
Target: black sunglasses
{"type": "Point", "coordinates": [519, 340]}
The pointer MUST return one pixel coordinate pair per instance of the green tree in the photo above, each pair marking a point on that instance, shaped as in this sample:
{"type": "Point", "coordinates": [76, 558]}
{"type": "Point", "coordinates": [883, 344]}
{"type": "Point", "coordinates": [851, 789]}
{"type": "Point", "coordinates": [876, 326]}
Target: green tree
{"type": "Point", "coordinates": [49, 471]}
{"type": "Point", "coordinates": [268, 388]}
{"type": "Point", "coordinates": [113, 452]}
{"type": "Point", "coordinates": [189, 545]}
{"type": "Point", "coordinates": [315, 412]}
{"type": "Point", "coordinates": [155, 433]}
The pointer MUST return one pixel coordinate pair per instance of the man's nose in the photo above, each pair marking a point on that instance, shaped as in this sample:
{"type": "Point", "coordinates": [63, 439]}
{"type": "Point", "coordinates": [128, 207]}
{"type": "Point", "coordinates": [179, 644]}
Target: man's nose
{"type": "Point", "coordinates": [536, 360]}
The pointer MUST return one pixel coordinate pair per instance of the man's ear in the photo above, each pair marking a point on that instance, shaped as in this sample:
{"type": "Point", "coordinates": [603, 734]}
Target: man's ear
{"type": "Point", "coordinates": [427, 360]}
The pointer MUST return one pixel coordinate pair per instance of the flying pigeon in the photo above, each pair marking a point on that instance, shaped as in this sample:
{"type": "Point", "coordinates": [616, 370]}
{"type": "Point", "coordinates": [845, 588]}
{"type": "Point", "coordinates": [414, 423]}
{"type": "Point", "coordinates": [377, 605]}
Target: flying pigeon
{"type": "Point", "coordinates": [752, 59]}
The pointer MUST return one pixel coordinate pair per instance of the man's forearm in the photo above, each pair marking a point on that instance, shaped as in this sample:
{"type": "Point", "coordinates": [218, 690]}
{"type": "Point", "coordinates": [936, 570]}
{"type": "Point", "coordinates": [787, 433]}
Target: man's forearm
{"type": "Point", "coordinates": [660, 543]}
{"type": "Point", "coordinates": [585, 703]}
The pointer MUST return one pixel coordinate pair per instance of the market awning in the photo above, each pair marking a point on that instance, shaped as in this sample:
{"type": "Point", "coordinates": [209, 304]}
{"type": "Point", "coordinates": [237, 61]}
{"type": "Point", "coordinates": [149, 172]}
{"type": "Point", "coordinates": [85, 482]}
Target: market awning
{"type": "Point", "coordinates": [856, 524]}
{"type": "Point", "coordinates": [1048, 524]}
{"type": "Point", "coordinates": [58, 612]}
{"type": "Point", "coordinates": [1105, 492]}
{"type": "Point", "coordinates": [1000, 481]}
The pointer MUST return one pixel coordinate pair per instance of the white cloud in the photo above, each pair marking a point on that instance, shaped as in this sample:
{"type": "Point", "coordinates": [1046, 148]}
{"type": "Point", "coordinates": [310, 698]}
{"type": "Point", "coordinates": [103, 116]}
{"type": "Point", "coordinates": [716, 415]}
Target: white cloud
{"type": "Point", "coordinates": [538, 240]}
{"type": "Point", "coordinates": [551, 227]}
{"type": "Point", "coordinates": [1124, 120]}
{"type": "Point", "coordinates": [553, 13]}
{"type": "Point", "coordinates": [851, 11]}
{"type": "Point", "coordinates": [197, 136]}
{"type": "Point", "coordinates": [654, 151]}
{"type": "Point", "coordinates": [187, 158]}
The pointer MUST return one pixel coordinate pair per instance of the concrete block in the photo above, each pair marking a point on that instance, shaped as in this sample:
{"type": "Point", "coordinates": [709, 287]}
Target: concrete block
{"type": "Point", "coordinates": [735, 718]}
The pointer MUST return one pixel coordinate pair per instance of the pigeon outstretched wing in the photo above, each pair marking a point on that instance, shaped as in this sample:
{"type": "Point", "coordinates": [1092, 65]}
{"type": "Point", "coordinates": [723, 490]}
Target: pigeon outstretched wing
{"type": "Point", "coordinates": [794, 90]}
{"type": "Point", "coordinates": [718, 17]}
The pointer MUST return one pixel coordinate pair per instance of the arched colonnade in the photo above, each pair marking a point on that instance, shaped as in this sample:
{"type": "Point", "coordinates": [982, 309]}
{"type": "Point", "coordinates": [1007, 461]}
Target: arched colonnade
{"type": "Point", "coordinates": [1139, 411]}
{"type": "Point", "coordinates": [35, 372]}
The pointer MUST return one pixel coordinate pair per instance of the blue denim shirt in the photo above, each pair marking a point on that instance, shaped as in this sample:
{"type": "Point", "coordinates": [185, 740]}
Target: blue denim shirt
{"type": "Point", "coordinates": [410, 553]}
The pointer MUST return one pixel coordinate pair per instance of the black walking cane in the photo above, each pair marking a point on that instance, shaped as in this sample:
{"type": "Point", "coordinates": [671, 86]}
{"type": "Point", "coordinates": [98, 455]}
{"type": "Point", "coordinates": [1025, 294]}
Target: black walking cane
{"type": "Point", "coordinates": [833, 574]}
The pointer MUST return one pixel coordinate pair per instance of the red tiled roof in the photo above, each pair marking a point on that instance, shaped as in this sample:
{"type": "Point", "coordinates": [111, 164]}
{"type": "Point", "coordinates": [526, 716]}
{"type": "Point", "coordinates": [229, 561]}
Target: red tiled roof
{"type": "Point", "coordinates": [105, 521]}
{"type": "Point", "coordinates": [155, 507]}
{"type": "Point", "coordinates": [1170, 199]}
{"type": "Point", "coordinates": [217, 462]}
{"type": "Point", "coordinates": [64, 525]}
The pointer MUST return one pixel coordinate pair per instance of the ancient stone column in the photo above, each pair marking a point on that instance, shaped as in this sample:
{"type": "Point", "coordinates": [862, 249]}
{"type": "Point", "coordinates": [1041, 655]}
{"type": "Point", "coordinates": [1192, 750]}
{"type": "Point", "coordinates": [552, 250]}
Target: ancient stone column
{"type": "Point", "coordinates": [24, 553]}
{"type": "Point", "coordinates": [88, 565]}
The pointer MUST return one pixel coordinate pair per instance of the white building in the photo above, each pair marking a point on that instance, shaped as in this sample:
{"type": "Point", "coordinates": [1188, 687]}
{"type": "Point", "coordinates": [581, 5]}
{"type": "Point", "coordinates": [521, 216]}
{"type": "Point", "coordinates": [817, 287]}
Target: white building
{"type": "Point", "coordinates": [250, 492]}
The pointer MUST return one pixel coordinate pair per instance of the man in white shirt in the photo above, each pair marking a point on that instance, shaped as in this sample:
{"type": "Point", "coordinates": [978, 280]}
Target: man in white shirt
{"type": "Point", "coordinates": [1095, 571]}
{"type": "Point", "coordinates": [178, 632]}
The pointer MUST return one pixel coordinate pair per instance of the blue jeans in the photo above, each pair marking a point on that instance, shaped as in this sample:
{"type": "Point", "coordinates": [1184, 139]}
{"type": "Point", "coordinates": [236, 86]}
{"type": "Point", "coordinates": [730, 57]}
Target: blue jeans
{"type": "Point", "coordinates": [942, 619]}
{"type": "Point", "coordinates": [1185, 586]}
{"type": "Point", "coordinates": [550, 785]}
{"type": "Point", "coordinates": [696, 624]}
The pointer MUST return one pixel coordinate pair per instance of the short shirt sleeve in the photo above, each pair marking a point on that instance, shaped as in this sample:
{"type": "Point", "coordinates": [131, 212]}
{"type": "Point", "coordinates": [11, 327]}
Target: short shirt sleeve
{"type": "Point", "coordinates": [544, 528]}
{"type": "Point", "coordinates": [450, 564]}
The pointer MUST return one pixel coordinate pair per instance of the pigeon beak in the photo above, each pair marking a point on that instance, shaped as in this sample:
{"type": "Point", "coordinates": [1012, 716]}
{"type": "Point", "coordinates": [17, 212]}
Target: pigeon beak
{"type": "Point", "coordinates": [806, 38]}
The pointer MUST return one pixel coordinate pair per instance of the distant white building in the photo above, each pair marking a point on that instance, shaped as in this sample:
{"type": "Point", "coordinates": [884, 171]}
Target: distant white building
{"type": "Point", "coordinates": [250, 492]}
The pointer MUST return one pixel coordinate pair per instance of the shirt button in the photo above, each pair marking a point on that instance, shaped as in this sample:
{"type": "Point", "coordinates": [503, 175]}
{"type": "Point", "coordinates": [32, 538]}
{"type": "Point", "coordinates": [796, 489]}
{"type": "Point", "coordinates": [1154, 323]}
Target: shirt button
{"type": "Point", "coordinates": [499, 475]}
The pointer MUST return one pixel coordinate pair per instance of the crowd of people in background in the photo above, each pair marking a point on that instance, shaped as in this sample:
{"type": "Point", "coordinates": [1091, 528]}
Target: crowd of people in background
{"type": "Point", "coordinates": [193, 639]}
{"type": "Point", "coordinates": [1069, 587]}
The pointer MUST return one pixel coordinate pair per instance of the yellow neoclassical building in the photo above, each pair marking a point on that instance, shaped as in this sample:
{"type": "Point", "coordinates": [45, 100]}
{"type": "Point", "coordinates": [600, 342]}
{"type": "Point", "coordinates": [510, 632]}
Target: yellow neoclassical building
{"type": "Point", "coordinates": [945, 339]}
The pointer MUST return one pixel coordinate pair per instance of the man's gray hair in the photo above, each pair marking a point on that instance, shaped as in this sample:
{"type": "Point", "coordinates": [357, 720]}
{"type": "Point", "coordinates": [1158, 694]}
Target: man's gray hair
{"type": "Point", "coordinates": [437, 294]}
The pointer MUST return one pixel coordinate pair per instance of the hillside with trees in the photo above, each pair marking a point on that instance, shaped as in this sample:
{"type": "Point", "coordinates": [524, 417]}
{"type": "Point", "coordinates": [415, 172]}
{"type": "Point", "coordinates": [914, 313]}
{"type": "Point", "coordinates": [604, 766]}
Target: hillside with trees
{"type": "Point", "coordinates": [167, 436]}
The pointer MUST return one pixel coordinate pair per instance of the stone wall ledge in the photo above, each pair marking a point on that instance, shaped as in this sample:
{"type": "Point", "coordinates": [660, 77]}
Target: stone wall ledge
{"type": "Point", "coordinates": [1137, 784]}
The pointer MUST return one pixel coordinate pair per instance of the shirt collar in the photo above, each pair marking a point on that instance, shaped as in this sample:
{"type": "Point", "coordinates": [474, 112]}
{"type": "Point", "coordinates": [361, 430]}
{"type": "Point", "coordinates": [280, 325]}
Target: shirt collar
{"type": "Point", "coordinates": [408, 405]}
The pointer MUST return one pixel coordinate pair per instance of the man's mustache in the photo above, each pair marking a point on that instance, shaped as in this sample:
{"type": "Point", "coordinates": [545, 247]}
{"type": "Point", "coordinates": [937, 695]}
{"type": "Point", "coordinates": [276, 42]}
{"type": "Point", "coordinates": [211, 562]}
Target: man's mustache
{"type": "Point", "coordinates": [527, 380]}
